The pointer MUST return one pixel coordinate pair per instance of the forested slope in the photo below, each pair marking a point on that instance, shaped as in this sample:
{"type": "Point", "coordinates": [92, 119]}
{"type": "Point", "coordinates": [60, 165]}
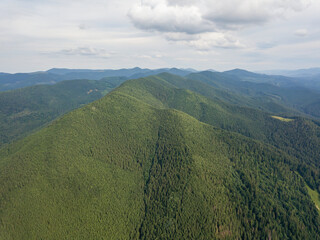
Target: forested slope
{"type": "Point", "coordinates": [130, 166]}
{"type": "Point", "coordinates": [26, 109]}
{"type": "Point", "coordinates": [300, 137]}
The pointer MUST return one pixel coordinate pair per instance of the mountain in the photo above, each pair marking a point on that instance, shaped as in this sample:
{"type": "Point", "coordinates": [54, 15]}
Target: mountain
{"type": "Point", "coordinates": [211, 70]}
{"type": "Point", "coordinates": [189, 69]}
{"type": "Point", "coordinates": [147, 161]}
{"type": "Point", "coordinates": [69, 74]}
{"type": "Point", "coordinates": [102, 73]}
{"type": "Point", "coordinates": [277, 80]}
{"type": "Point", "coordinates": [129, 73]}
{"type": "Point", "coordinates": [19, 80]}
{"type": "Point", "coordinates": [310, 82]}
{"type": "Point", "coordinates": [219, 111]}
{"type": "Point", "coordinates": [26, 109]}
{"type": "Point", "coordinates": [52, 76]}
{"type": "Point", "coordinates": [244, 73]}
{"type": "Point", "coordinates": [308, 78]}
{"type": "Point", "coordinates": [311, 72]}
{"type": "Point", "coordinates": [266, 95]}
{"type": "Point", "coordinates": [175, 71]}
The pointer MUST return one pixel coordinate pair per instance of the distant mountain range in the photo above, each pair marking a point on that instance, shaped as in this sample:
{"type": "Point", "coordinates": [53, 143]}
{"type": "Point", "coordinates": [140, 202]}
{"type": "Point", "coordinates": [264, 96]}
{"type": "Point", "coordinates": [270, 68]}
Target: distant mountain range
{"type": "Point", "coordinates": [52, 76]}
{"type": "Point", "coordinates": [309, 78]}
{"type": "Point", "coordinates": [310, 72]}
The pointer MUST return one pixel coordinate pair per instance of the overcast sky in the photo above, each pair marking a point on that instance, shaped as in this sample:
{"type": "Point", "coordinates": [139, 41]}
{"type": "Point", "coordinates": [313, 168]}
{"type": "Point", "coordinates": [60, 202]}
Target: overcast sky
{"type": "Point", "coordinates": [201, 34]}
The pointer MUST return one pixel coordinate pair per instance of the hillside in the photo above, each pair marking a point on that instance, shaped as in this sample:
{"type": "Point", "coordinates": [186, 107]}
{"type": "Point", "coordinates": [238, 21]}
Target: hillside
{"type": "Point", "coordinates": [26, 109]}
{"type": "Point", "coordinates": [138, 164]}
{"type": "Point", "coordinates": [299, 138]}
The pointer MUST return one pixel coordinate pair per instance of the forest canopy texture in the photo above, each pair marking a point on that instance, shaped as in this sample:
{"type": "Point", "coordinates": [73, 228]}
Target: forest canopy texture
{"type": "Point", "coordinates": [165, 157]}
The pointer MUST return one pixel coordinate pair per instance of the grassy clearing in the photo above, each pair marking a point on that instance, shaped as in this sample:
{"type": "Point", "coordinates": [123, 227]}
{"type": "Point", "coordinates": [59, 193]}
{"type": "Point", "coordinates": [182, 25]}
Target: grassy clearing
{"type": "Point", "coordinates": [282, 119]}
{"type": "Point", "coordinates": [315, 197]}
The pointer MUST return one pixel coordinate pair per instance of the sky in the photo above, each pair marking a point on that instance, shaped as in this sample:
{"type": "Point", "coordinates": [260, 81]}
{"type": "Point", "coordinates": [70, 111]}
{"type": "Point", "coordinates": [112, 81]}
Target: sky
{"type": "Point", "coordinates": [256, 35]}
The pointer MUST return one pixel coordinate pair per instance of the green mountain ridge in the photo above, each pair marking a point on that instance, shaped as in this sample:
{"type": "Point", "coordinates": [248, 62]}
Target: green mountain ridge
{"type": "Point", "coordinates": [148, 161]}
{"type": "Point", "coordinates": [299, 138]}
{"type": "Point", "coordinates": [27, 109]}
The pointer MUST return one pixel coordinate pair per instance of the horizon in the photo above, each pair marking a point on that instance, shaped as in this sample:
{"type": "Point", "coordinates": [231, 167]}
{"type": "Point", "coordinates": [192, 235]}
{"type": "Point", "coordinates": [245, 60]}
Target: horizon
{"type": "Point", "coordinates": [186, 69]}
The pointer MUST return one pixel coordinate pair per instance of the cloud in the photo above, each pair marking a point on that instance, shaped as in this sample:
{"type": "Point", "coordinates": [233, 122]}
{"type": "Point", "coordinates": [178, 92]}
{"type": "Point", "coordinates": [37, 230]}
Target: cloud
{"type": "Point", "coordinates": [207, 24]}
{"type": "Point", "coordinates": [86, 51]}
{"type": "Point", "coordinates": [199, 16]}
{"type": "Point", "coordinates": [163, 17]}
{"type": "Point", "coordinates": [177, 36]}
{"type": "Point", "coordinates": [241, 13]}
{"type": "Point", "coordinates": [208, 41]}
{"type": "Point", "coordinates": [301, 32]}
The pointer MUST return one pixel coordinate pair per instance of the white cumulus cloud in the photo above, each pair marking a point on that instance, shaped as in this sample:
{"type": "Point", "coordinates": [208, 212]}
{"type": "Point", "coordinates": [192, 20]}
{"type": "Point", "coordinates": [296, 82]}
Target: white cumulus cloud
{"type": "Point", "coordinates": [240, 13]}
{"type": "Point", "coordinates": [163, 17]}
{"type": "Point", "coordinates": [196, 16]}
{"type": "Point", "coordinates": [208, 23]}
{"type": "Point", "coordinates": [207, 41]}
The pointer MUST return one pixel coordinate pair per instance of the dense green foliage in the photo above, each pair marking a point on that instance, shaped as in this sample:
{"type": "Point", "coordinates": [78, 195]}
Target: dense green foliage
{"type": "Point", "coordinates": [299, 138]}
{"type": "Point", "coordinates": [147, 161]}
{"type": "Point", "coordinates": [26, 109]}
